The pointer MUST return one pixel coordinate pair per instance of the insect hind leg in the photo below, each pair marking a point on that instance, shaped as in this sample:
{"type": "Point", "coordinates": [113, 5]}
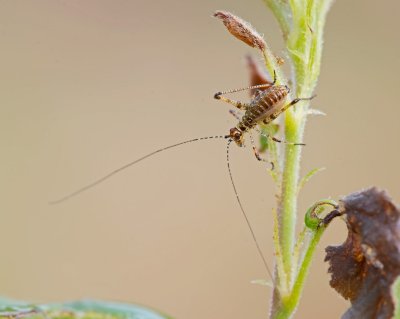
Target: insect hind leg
{"type": "Point", "coordinates": [238, 104]}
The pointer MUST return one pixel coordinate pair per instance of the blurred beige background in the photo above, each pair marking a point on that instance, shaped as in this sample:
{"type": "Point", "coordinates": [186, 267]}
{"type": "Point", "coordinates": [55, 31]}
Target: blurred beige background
{"type": "Point", "coordinates": [87, 86]}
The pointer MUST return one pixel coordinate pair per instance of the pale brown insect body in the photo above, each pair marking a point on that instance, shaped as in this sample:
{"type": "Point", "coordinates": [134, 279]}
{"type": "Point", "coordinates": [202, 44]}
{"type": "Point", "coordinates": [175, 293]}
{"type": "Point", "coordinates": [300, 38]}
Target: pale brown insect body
{"type": "Point", "coordinates": [265, 107]}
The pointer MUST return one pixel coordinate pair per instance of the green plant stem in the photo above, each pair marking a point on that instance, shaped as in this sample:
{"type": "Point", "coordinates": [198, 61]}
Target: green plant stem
{"type": "Point", "coordinates": [289, 303]}
{"type": "Point", "coordinates": [304, 269]}
{"type": "Point", "coordinates": [313, 230]}
{"type": "Point", "coordinates": [272, 66]}
{"type": "Point", "coordinates": [302, 22]}
{"type": "Point", "coordinates": [288, 203]}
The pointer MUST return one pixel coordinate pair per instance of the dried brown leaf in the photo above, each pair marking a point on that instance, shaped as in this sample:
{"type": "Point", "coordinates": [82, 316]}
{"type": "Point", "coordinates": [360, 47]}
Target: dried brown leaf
{"type": "Point", "coordinates": [258, 75]}
{"type": "Point", "coordinates": [241, 29]}
{"type": "Point", "coordinates": [366, 265]}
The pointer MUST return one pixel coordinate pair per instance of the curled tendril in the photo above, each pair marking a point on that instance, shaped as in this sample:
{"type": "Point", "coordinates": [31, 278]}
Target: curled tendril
{"type": "Point", "coordinates": [313, 220]}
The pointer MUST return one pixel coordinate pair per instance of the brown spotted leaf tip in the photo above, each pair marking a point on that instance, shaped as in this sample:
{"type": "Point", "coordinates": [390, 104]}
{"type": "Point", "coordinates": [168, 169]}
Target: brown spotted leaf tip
{"type": "Point", "coordinates": [366, 265]}
{"type": "Point", "coordinates": [241, 29]}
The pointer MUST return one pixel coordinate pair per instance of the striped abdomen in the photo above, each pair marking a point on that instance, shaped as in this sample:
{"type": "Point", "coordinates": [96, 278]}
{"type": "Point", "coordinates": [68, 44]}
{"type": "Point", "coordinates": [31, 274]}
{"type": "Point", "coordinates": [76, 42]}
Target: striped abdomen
{"type": "Point", "coordinates": [265, 107]}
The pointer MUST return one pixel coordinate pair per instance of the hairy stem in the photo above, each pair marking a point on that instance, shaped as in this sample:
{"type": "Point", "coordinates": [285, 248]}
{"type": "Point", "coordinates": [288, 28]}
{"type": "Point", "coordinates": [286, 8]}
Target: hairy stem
{"type": "Point", "coordinates": [302, 23]}
{"type": "Point", "coordinates": [289, 303]}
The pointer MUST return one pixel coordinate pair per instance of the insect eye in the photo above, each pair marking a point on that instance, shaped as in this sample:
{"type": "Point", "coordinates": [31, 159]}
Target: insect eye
{"type": "Point", "coordinates": [235, 134]}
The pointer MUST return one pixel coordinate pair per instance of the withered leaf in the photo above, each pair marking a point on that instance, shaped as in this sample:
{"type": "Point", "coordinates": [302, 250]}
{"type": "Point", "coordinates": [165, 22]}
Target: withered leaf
{"type": "Point", "coordinates": [257, 74]}
{"type": "Point", "coordinates": [241, 29]}
{"type": "Point", "coordinates": [366, 265]}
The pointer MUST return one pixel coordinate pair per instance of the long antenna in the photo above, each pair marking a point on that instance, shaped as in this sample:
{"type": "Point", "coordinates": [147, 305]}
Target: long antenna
{"type": "Point", "coordinates": [244, 213]}
{"type": "Point", "coordinates": [118, 170]}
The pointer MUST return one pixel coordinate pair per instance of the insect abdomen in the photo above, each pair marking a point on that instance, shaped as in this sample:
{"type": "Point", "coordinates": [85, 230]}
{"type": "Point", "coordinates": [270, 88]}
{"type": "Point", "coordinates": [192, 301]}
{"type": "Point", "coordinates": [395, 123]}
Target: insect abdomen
{"type": "Point", "coordinates": [273, 96]}
{"type": "Point", "coordinates": [265, 105]}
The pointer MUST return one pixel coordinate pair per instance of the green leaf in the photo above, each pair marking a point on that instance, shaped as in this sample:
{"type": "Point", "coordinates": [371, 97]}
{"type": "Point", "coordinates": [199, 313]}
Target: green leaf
{"type": "Point", "coordinates": [307, 177]}
{"type": "Point", "coordinates": [266, 143]}
{"type": "Point", "coordinates": [128, 310]}
{"type": "Point", "coordinates": [85, 309]}
{"type": "Point", "coordinates": [297, 250]}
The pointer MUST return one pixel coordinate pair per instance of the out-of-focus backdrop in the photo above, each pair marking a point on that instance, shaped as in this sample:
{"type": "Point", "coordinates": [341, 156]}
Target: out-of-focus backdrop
{"type": "Point", "coordinates": [88, 85]}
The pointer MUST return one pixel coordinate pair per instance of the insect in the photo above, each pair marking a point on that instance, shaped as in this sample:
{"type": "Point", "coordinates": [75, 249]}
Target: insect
{"type": "Point", "coordinates": [264, 107]}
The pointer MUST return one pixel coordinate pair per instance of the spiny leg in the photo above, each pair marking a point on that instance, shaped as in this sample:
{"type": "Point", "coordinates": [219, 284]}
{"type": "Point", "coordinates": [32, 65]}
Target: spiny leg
{"type": "Point", "coordinates": [257, 153]}
{"type": "Point", "coordinates": [273, 138]}
{"type": "Point", "coordinates": [297, 100]}
{"type": "Point", "coordinates": [285, 142]}
{"type": "Point", "coordinates": [238, 104]}
{"type": "Point", "coordinates": [275, 115]}
{"type": "Point", "coordinates": [252, 87]}
{"type": "Point", "coordinates": [255, 150]}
